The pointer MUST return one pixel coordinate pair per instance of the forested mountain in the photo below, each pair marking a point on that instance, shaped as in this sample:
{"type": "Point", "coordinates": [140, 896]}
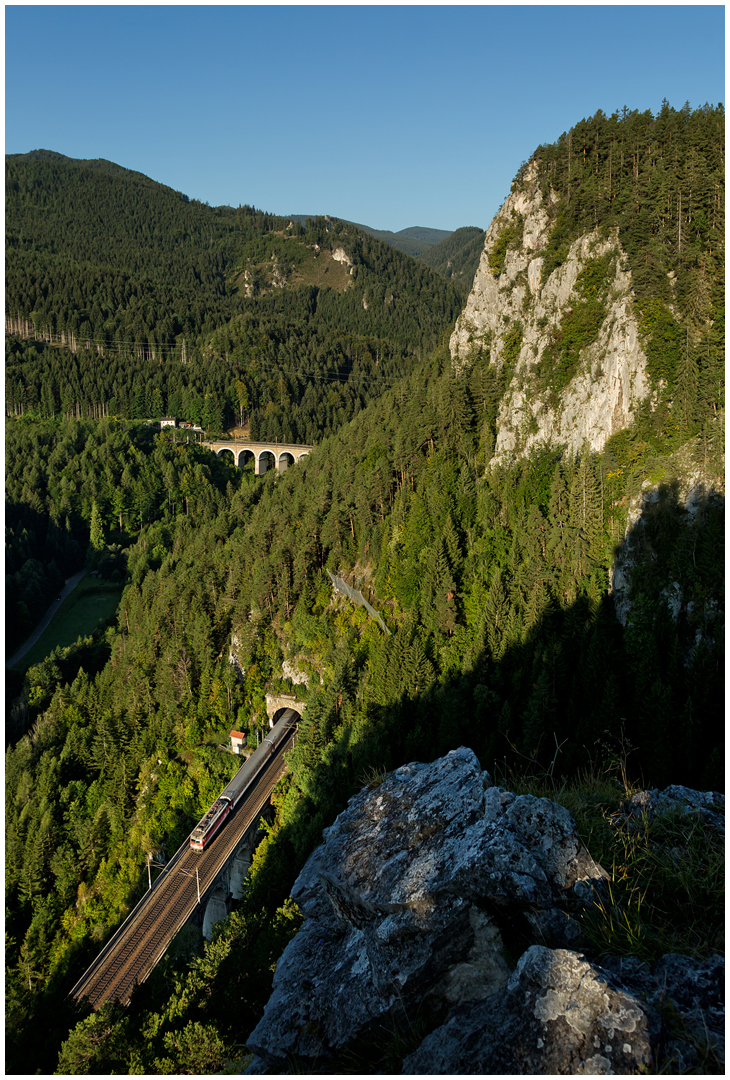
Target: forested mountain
{"type": "Point", "coordinates": [207, 312]}
{"type": "Point", "coordinates": [126, 299]}
{"type": "Point", "coordinates": [413, 241]}
{"type": "Point", "coordinates": [495, 575]}
{"type": "Point", "coordinates": [457, 257]}
{"type": "Point", "coordinates": [454, 255]}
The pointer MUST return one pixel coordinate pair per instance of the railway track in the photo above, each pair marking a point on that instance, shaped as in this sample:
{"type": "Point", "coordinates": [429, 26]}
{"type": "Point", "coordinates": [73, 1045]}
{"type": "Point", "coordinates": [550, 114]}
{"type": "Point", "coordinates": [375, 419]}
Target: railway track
{"type": "Point", "coordinates": [139, 944]}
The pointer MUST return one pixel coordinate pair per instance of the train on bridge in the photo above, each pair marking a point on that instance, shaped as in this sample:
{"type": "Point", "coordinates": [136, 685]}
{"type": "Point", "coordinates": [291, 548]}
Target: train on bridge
{"type": "Point", "coordinates": [228, 799]}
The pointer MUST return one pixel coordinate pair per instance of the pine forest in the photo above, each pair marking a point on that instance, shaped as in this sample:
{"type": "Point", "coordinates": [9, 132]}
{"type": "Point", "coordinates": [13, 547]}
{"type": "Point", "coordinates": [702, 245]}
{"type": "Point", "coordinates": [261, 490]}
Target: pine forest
{"type": "Point", "coordinates": [126, 302]}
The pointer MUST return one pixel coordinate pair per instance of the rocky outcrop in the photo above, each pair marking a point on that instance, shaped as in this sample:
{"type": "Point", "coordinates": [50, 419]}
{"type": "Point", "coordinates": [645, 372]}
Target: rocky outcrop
{"type": "Point", "coordinates": [706, 806]}
{"type": "Point", "coordinates": [290, 671]}
{"type": "Point", "coordinates": [440, 896]}
{"type": "Point", "coordinates": [340, 255]}
{"type": "Point", "coordinates": [611, 378]}
{"type": "Point", "coordinates": [557, 1010]}
{"type": "Point", "coordinates": [693, 489]}
{"type": "Point", "coordinates": [689, 996]}
{"type": "Point", "coordinates": [235, 660]}
{"type": "Point", "coordinates": [560, 1014]}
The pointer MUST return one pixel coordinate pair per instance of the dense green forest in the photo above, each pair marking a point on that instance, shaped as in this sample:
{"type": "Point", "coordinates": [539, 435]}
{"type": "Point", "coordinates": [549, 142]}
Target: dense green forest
{"type": "Point", "coordinates": [63, 475]}
{"type": "Point", "coordinates": [457, 257]}
{"type": "Point", "coordinates": [493, 582]}
{"type": "Point", "coordinates": [414, 241]}
{"type": "Point", "coordinates": [207, 312]}
{"type": "Point", "coordinates": [154, 304]}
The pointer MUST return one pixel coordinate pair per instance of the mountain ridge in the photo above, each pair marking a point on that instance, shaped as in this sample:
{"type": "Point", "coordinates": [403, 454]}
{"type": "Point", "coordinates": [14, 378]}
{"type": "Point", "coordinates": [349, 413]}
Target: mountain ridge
{"type": "Point", "coordinates": [554, 609]}
{"type": "Point", "coordinates": [411, 241]}
{"type": "Point", "coordinates": [414, 241]}
{"type": "Point", "coordinates": [100, 164]}
{"type": "Point", "coordinates": [146, 275]}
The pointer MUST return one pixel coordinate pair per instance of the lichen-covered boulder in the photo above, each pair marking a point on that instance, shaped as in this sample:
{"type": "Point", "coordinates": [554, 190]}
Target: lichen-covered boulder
{"type": "Point", "coordinates": [402, 902]}
{"type": "Point", "coordinates": [557, 1014]}
{"type": "Point", "coordinates": [523, 850]}
{"type": "Point", "coordinates": [707, 806]}
{"type": "Point", "coordinates": [688, 994]}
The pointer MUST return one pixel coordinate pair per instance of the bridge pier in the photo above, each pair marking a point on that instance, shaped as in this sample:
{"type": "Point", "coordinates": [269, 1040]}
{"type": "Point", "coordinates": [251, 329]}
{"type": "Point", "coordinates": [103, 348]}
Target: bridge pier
{"type": "Point", "coordinates": [262, 464]}
{"type": "Point", "coordinates": [239, 870]}
{"type": "Point", "coordinates": [231, 882]}
{"type": "Point", "coordinates": [216, 908]}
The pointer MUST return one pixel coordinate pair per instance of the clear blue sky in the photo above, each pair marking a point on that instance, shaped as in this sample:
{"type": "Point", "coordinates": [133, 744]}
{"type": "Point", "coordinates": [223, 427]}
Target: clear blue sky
{"type": "Point", "coordinates": [388, 116]}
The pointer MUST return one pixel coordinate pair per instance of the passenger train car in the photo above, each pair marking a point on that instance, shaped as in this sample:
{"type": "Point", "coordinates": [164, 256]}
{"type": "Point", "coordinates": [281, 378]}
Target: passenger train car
{"type": "Point", "coordinates": [226, 802]}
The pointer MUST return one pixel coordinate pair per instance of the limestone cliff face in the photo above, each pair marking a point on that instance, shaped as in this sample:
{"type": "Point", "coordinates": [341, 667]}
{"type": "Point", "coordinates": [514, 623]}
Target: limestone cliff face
{"type": "Point", "coordinates": [610, 379]}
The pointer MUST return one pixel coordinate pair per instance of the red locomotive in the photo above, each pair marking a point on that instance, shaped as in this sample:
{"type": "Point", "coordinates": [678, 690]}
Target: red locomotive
{"type": "Point", "coordinates": [226, 802]}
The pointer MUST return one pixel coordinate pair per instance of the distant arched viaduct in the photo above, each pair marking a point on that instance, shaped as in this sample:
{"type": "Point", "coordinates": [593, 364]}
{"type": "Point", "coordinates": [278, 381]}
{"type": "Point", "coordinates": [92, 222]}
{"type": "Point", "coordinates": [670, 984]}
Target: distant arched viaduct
{"type": "Point", "coordinates": [266, 455]}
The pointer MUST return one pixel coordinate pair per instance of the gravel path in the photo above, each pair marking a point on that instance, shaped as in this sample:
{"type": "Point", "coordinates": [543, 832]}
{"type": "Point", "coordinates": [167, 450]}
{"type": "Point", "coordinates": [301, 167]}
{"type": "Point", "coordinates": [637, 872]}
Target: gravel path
{"type": "Point", "coordinates": [68, 588]}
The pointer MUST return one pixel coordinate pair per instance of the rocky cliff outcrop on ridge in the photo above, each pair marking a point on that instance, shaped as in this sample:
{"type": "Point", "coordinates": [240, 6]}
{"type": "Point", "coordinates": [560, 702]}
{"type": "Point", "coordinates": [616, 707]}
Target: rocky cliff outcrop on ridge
{"type": "Point", "coordinates": [692, 489]}
{"type": "Point", "coordinates": [510, 290]}
{"type": "Point", "coordinates": [441, 903]}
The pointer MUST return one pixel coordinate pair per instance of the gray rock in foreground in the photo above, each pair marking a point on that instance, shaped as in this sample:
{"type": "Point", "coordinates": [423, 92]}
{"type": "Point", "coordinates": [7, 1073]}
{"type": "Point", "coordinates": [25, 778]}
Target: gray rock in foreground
{"type": "Point", "coordinates": [707, 806]}
{"type": "Point", "coordinates": [558, 1014]}
{"type": "Point", "coordinates": [400, 904]}
{"type": "Point", "coordinates": [561, 1014]}
{"type": "Point", "coordinates": [406, 907]}
{"type": "Point", "coordinates": [689, 993]}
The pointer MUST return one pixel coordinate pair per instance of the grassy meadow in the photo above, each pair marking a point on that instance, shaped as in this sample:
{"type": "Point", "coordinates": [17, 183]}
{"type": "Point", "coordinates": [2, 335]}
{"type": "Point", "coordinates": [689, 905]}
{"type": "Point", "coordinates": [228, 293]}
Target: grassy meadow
{"type": "Point", "coordinates": [92, 601]}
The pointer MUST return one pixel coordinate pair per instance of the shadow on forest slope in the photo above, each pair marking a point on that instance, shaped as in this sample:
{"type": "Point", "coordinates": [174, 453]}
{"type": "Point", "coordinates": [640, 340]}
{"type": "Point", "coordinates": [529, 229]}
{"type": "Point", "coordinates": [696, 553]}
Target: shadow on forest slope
{"type": "Point", "coordinates": [576, 680]}
{"type": "Point", "coordinates": [578, 690]}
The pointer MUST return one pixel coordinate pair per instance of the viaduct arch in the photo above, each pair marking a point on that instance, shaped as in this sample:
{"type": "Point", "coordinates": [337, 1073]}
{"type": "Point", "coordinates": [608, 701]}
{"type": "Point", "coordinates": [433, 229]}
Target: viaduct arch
{"type": "Point", "coordinates": [266, 455]}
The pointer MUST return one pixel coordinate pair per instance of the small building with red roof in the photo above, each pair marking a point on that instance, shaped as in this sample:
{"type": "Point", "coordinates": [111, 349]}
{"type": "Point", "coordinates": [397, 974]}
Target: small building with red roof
{"type": "Point", "coordinates": [238, 741]}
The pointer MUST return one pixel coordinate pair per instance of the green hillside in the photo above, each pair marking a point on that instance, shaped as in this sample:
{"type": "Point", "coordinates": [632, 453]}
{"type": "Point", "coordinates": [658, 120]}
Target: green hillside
{"type": "Point", "coordinates": [457, 257]}
{"type": "Point", "coordinates": [126, 299]}
{"type": "Point", "coordinates": [494, 581]}
{"type": "Point", "coordinates": [412, 241]}
{"type": "Point", "coordinates": [214, 314]}
{"type": "Point", "coordinates": [454, 255]}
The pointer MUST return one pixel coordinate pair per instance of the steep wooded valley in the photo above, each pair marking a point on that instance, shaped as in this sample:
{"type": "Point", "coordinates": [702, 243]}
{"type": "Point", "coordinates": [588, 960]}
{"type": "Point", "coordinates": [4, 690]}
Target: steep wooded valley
{"type": "Point", "coordinates": [520, 465]}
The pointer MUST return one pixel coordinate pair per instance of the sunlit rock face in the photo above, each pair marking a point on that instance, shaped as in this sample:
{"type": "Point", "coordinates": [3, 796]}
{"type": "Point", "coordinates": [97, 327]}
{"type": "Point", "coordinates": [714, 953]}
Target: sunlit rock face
{"type": "Point", "coordinates": [610, 380]}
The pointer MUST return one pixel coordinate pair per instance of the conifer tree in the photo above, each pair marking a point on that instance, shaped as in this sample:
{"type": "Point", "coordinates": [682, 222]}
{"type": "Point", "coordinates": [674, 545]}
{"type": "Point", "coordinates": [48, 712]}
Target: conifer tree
{"type": "Point", "coordinates": [687, 388]}
{"type": "Point", "coordinates": [495, 611]}
{"type": "Point", "coordinates": [96, 528]}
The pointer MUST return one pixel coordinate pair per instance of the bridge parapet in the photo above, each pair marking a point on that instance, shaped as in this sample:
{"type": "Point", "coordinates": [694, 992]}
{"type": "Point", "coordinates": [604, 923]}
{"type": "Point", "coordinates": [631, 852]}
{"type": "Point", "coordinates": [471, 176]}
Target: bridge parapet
{"type": "Point", "coordinates": [284, 454]}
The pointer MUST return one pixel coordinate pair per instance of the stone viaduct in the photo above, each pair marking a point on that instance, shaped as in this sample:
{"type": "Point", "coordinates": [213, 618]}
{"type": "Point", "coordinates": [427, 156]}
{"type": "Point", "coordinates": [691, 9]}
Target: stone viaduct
{"type": "Point", "coordinates": [231, 881]}
{"type": "Point", "coordinates": [265, 454]}
{"type": "Point", "coordinates": [197, 887]}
